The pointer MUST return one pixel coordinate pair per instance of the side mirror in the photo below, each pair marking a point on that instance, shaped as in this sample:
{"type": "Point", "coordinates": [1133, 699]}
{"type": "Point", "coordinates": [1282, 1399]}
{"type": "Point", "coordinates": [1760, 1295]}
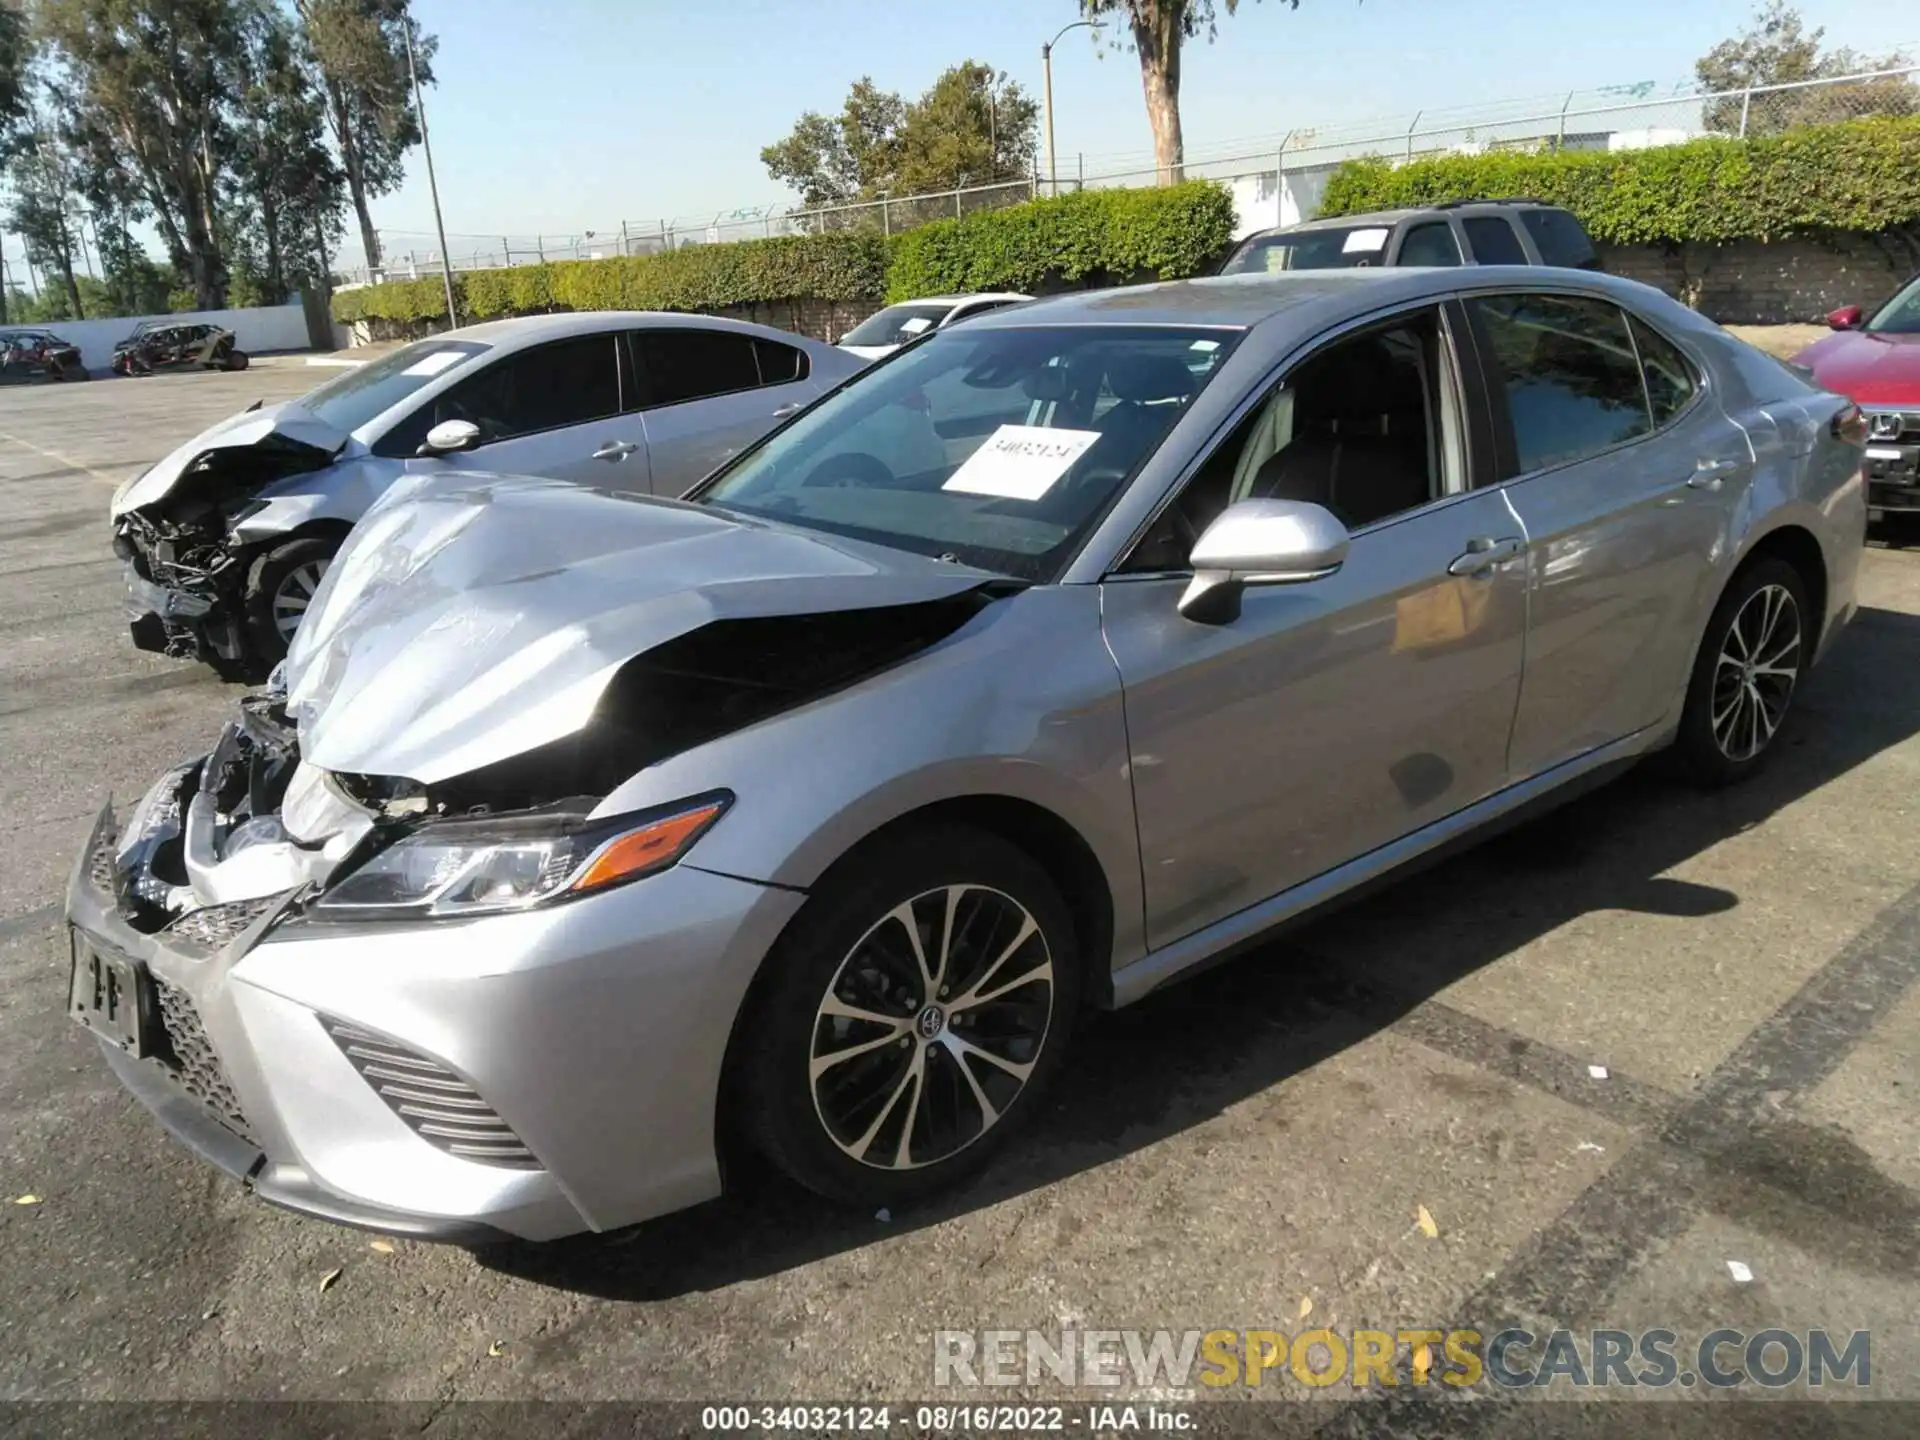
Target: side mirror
{"type": "Point", "coordinates": [1260, 542]}
{"type": "Point", "coordinates": [449, 437]}
{"type": "Point", "coordinates": [1847, 317]}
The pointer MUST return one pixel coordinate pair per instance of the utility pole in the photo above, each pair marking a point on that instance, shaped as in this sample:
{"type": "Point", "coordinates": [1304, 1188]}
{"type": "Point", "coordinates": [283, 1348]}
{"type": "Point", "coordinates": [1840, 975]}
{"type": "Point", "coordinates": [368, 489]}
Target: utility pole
{"type": "Point", "coordinates": [1046, 64]}
{"type": "Point", "coordinates": [433, 186]}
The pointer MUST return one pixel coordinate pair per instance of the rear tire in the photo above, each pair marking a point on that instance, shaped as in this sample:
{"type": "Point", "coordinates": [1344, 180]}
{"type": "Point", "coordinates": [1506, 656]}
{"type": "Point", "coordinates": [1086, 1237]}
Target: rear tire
{"type": "Point", "coordinates": [280, 585]}
{"type": "Point", "coordinates": [924, 1092]}
{"type": "Point", "coordinates": [1755, 649]}
{"type": "Point", "coordinates": [236, 360]}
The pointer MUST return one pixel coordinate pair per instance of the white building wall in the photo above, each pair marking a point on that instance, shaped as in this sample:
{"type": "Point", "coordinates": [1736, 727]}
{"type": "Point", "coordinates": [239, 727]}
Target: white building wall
{"type": "Point", "coordinates": [271, 327]}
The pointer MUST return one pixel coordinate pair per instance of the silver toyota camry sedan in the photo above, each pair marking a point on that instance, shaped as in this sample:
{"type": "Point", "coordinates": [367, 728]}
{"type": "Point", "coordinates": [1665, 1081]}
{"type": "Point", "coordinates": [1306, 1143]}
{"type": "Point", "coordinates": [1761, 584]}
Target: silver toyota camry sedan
{"type": "Point", "coordinates": [1054, 655]}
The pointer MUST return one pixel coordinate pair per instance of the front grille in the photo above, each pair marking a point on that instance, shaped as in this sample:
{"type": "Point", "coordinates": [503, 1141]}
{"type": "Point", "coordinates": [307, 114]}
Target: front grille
{"type": "Point", "coordinates": [436, 1104]}
{"type": "Point", "coordinates": [100, 866]}
{"type": "Point", "coordinates": [194, 1063]}
{"type": "Point", "coordinates": [216, 925]}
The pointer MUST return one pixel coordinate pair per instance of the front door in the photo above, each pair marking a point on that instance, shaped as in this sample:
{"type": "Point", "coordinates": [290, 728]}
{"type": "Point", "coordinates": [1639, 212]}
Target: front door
{"type": "Point", "coordinates": [1337, 715]}
{"type": "Point", "coordinates": [1625, 474]}
{"type": "Point", "coordinates": [552, 410]}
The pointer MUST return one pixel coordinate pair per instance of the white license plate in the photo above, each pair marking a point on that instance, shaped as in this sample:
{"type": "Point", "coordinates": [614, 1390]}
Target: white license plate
{"type": "Point", "coordinates": [1882, 452]}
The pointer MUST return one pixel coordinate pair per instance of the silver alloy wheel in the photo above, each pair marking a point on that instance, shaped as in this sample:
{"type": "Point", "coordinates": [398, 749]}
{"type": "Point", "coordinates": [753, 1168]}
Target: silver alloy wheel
{"type": "Point", "coordinates": [1753, 678]}
{"type": "Point", "coordinates": [931, 1026]}
{"type": "Point", "coordinates": [296, 591]}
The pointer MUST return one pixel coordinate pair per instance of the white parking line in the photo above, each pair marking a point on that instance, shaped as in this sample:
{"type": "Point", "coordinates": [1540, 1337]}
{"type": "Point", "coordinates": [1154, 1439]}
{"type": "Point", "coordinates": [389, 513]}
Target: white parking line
{"type": "Point", "coordinates": [66, 460]}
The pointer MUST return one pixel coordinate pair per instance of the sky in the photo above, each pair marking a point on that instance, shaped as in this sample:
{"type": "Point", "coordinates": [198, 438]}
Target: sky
{"type": "Point", "coordinates": [571, 115]}
{"type": "Point", "coordinates": [558, 117]}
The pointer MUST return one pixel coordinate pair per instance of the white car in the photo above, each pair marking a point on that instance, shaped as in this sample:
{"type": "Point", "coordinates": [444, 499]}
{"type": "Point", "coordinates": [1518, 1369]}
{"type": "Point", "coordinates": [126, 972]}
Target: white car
{"type": "Point", "coordinates": [894, 326]}
{"type": "Point", "coordinates": [226, 538]}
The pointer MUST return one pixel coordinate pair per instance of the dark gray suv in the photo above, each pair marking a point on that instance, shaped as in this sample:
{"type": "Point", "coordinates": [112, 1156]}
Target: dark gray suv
{"type": "Point", "coordinates": [1460, 232]}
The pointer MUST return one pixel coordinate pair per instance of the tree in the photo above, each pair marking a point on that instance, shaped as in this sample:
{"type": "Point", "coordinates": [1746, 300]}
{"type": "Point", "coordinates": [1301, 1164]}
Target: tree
{"type": "Point", "coordinates": [285, 181]}
{"type": "Point", "coordinates": [149, 82]}
{"type": "Point", "coordinates": [1159, 29]}
{"type": "Point", "coordinates": [1777, 50]}
{"type": "Point", "coordinates": [359, 50]}
{"type": "Point", "coordinates": [43, 209]}
{"type": "Point", "coordinates": [973, 126]}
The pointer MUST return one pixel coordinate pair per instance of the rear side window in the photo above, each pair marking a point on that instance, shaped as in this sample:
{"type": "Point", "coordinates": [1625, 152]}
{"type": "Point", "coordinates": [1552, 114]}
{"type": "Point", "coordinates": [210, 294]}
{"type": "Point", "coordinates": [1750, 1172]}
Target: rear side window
{"type": "Point", "coordinates": [1559, 239]}
{"type": "Point", "coordinates": [1493, 241]}
{"type": "Point", "coordinates": [1670, 380]}
{"type": "Point", "coordinates": [681, 365]}
{"type": "Point", "coordinates": [1431, 243]}
{"type": "Point", "coordinates": [779, 364]}
{"type": "Point", "coordinates": [1568, 372]}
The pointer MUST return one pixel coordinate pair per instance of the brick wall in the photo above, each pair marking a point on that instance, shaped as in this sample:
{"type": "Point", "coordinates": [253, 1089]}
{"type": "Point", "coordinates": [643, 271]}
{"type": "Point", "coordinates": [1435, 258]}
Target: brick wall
{"type": "Point", "coordinates": [825, 320]}
{"type": "Point", "coordinates": [1752, 282]}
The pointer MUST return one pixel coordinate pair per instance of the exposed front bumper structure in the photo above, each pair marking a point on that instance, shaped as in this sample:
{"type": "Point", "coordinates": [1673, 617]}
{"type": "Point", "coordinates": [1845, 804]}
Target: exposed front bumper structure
{"type": "Point", "coordinates": [528, 1075]}
{"type": "Point", "coordinates": [199, 623]}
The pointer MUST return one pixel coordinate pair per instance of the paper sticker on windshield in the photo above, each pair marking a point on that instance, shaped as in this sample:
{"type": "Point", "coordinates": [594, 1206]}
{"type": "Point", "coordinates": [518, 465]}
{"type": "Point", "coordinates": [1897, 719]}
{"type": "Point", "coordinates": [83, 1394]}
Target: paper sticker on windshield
{"type": "Point", "coordinates": [914, 324]}
{"type": "Point", "coordinates": [433, 364]}
{"type": "Point", "coordinates": [1021, 462]}
{"type": "Point", "coordinates": [1364, 240]}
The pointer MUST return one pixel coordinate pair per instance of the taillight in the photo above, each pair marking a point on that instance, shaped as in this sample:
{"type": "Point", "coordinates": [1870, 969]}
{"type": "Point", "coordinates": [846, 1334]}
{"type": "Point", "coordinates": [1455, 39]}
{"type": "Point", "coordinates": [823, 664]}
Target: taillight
{"type": "Point", "coordinates": [1850, 425]}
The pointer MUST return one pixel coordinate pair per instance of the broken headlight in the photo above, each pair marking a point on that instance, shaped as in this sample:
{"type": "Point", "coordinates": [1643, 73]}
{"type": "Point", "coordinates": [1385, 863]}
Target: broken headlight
{"type": "Point", "coordinates": [485, 867]}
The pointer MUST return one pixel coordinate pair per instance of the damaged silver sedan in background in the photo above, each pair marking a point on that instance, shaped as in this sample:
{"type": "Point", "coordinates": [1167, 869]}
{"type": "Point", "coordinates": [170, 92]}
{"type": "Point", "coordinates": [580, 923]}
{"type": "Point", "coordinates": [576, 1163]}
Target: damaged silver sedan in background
{"type": "Point", "coordinates": [226, 539]}
{"type": "Point", "coordinates": [584, 832]}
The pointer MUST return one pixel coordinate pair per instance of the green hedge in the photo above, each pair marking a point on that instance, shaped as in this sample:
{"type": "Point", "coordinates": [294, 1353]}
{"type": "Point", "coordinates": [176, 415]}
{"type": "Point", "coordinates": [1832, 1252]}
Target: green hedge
{"type": "Point", "coordinates": [849, 266]}
{"type": "Point", "coordinates": [1861, 175]}
{"type": "Point", "coordinates": [1110, 235]}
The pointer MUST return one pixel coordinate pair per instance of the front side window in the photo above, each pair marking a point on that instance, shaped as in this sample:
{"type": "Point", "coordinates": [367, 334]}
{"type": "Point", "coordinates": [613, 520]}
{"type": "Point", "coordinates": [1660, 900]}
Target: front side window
{"type": "Point", "coordinates": [1430, 244]}
{"type": "Point", "coordinates": [567, 382]}
{"type": "Point", "coordinates": [897, 324]}
{"type": "Point", "coordinates": [1368, 427]}
{"type": "Point", "coordinates": [1493, 241]}
{"type": "Point", "coordinates": [1901, 314]}
{"type": "Point", "coordinates": [361, 394]}
{"type": "Point", "coordinates": [1569, 374]}
{"type": "Point", "coordinates": [690, 364]}
{"type": "Point", "coordinates": [1333, 248]}
{"type": "Point", "coordinates": [995, 448]}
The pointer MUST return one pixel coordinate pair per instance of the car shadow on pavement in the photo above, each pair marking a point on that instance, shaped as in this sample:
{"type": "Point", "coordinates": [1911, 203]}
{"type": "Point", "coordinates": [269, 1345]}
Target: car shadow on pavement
{"type": "Point", "coordinates": [1184, 1055]}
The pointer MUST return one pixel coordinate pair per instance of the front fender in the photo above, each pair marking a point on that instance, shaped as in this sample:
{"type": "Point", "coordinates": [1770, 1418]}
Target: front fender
{"type": "Point", "coordinates": [1023, 702]}
{"type": "Point", "coordinates": [340, 494]}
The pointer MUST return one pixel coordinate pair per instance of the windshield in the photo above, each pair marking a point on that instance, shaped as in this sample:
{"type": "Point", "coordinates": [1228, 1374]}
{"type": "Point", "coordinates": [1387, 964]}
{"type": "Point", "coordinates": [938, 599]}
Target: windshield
{"type": "Point", "coordinates": [994, 448]}
{"type": "Point", "coordinates": [368, 390]}
{"type": "Point", "coordinates": [1336, 249]}
{"type": "Point", "coordinates": [1900, 315]}
{"type": "Point", "coordinates": [896, 325]}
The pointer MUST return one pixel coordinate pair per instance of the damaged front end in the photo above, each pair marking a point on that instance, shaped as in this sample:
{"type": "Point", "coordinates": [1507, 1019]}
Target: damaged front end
{"type": "Point", "coordinates": [186, 574]}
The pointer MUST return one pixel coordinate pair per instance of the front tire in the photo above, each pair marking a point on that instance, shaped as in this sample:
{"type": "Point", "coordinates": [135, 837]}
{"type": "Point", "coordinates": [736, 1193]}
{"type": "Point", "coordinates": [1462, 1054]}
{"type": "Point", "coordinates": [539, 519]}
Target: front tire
{"type": "Point", "coordinates": [280, 586]}
{"type": "Point", "coordinates": [1755, 649]}
{"type": "Point", "coordinates": [910, 1017]}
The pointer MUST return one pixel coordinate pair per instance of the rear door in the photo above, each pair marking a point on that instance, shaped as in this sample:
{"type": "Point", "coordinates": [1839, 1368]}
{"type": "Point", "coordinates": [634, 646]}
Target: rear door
{"type": "Point", "coordinates": [1624, 471]}
{"type": "Point", "coordinates": [552, 410]}
{"type": "Point", "coordinates": [707, 393]}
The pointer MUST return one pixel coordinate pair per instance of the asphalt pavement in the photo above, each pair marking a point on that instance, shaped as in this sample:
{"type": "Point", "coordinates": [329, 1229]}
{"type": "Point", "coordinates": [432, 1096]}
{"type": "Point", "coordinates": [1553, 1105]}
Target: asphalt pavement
{"type": "Point", "coordinates": [1584, 1076]}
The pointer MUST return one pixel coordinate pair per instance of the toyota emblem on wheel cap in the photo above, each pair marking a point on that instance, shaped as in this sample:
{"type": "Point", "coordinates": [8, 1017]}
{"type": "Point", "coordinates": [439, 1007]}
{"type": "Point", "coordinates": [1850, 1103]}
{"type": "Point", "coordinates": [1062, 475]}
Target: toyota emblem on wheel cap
{"type": "Point", "coordinates": [931, 1022]}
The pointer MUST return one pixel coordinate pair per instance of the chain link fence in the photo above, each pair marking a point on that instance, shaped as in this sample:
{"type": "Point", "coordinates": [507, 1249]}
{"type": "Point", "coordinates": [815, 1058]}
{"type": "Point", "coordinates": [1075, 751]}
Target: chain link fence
{"type": "Point", "coordinates": [1275, 180]}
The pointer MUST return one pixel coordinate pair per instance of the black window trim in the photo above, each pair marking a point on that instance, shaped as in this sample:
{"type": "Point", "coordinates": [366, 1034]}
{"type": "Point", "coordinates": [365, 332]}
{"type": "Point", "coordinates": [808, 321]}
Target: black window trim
{"type": "Point", "coordinates": [1473, 404]}
{"type": "Point", "coordinates": [631, 346]}
{"type": "Point", "coordinates": [1504, 443]}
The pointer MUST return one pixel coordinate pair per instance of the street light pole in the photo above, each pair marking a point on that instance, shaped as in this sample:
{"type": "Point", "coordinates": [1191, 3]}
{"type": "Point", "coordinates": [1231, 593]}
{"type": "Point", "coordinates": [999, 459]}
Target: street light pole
{"type": "Point", "coordinates": [433, 186]}
{"type": "Point", "coordinates": [1046, 65]}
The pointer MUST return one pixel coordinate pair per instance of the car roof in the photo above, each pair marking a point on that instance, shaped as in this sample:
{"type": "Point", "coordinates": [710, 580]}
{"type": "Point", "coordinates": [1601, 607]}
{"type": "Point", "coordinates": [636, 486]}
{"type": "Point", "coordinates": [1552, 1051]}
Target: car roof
{"type": "Point", "coordinates": [534, 329]}
{"type": "Point", "coordinates": [1406, 212]}
{"type": "Point", "coordinates": [966, 299]}
{"type": "Point", "coordinates": [1244, 301]}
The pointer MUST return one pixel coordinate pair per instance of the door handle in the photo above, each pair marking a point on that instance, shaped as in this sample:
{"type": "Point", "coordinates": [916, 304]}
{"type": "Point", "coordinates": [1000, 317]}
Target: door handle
{"type": "Point", "coordinates": [1483, 554]}
{"type": "Point", "coordinates": [1708, 474]}
{"type": "Point", "coordinates": [792, 407]}
{"type": "Point", "coordinates": [615, 450]}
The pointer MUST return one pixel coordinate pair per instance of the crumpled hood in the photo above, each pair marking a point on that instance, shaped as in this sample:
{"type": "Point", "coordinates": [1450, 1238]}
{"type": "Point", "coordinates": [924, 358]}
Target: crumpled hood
{"type": "Point", "coordinates": [467, 624]}
{"type": "Point", "coordinates": [286, 422]}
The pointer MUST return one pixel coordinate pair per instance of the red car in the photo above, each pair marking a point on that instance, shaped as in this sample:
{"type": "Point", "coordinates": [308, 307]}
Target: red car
{"type": "Point", "coordinates": [1875, 362]}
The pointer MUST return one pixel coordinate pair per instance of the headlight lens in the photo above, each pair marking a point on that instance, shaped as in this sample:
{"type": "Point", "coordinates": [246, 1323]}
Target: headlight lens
{"type": "Point", "coordinates": [483, 867]}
